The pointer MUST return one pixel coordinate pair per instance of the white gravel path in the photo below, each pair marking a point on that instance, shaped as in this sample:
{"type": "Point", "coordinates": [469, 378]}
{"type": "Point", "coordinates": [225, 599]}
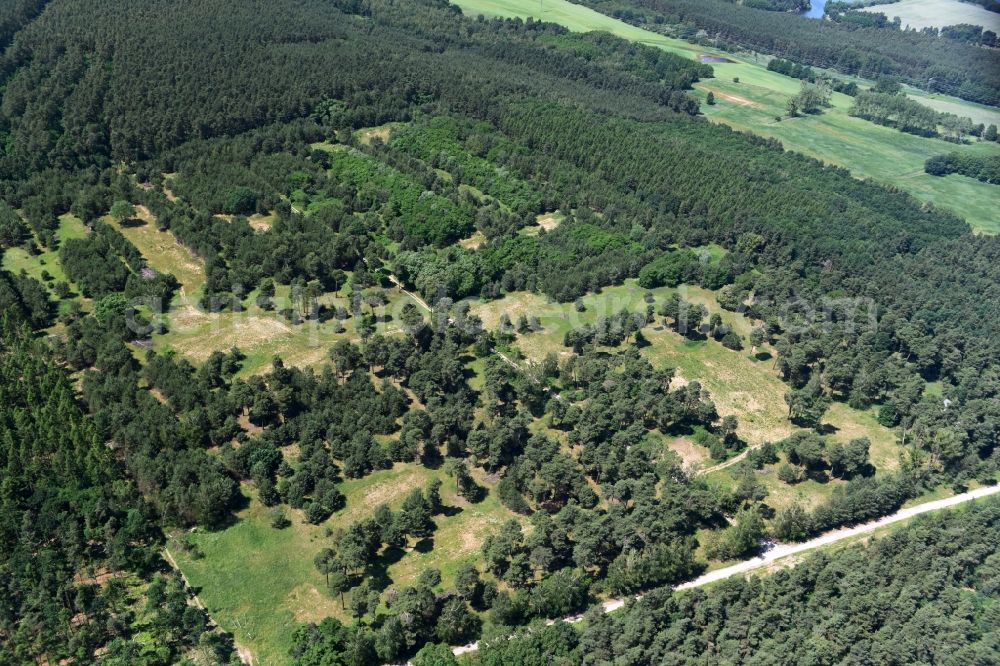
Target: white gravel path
{"type": "Point", "coordinates": [782, 550]}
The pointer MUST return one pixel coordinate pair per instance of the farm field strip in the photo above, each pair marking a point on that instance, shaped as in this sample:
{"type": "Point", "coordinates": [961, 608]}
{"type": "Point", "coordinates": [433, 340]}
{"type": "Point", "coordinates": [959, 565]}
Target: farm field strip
{"type": "Point", "coordinates": [866, 149]}
{"type": "Point", "coordinates": [920, 14]}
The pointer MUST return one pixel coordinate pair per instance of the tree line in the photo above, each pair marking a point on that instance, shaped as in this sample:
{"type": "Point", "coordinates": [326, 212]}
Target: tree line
{"type": "Point", "coordinates": [981, 167]}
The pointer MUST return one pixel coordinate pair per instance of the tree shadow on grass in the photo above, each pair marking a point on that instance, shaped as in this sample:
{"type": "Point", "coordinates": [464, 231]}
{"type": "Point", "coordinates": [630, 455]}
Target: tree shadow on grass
{"type": "Point", "coordinates": [449, 511]}
{"type": "Point", "coordinates": [378, 572]}
{"type": "Point", "coordinates": [827, 429]}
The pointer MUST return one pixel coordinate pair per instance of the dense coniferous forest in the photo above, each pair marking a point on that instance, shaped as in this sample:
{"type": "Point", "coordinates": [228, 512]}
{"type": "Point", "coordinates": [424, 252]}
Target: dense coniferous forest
{"type": "Point", "coordinates": [80, 558]}
{"type": "Point", "coordinates": [213, 115]}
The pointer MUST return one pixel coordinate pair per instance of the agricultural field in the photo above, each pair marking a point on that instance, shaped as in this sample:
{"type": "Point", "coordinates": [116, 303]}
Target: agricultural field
{"type": "Point", "coordinates": [260, 583]}
{"type": "Point", "coordinates": [753, 104]}
{"type": "Point", "coordinates": [918, 14]}
{"type": "Point", "coordinates": [759, 98]}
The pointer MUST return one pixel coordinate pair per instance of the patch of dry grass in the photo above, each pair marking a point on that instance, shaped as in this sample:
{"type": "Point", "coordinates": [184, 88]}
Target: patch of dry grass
{"type": "Point", "coordinates": [163, 252]}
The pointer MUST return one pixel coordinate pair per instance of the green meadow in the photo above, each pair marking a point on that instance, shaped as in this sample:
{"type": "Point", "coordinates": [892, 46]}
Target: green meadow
{"type": "Point", "coordinates": [260, 583]}
{"type": "Point", "coordinates": [44, 266]}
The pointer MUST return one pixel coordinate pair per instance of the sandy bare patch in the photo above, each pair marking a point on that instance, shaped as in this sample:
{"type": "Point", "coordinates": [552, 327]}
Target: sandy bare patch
{"type": "Point", "coordinates": [100, 577]}
{"type": "Point", "coordinates": [301, 358]}
{"type": "Point", "coordinates": [513, 305]}
{"type": "Point", "coordinates": [244, 422]}
{"type": "Point", "coordinates": [366, 136]}
{"type": "Point", "coordinates": [385, 492]}
{"type": "Point", "coordinates": [548, 221]}
{"type": "Point", "coordinates": [260, 222]}
{"type": "Point", "coordinates": [197, 334]}
{"type": "Point", "coordinates": [308, 604]}
{"type": "Point", "coordinates": [473, 242]}
{"type": "Point", "coordinates": [746, 400]}
{"type": "Point", "coordinates": [245, 655]}
{"type": "Point", "coordinates": [162, 251]}
{"type": "Point", "coordinates": [155, 392]}
{"type": "Point", "coordinates": [144, 214]}
{"type": "Point", "coordinates": [691, 454]}
{"type": "Point", "coordinates": [742, 101]}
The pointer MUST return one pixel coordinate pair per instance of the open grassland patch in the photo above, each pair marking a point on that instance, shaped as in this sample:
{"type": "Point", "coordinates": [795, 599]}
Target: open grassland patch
{"type": "Point", "coordinates": [691, 454]}
{"type": "Point", "coordinates": [16, 259]}
{"type": "Point", "coordinates": [458, 538]}
{"type": "Point", "coordinates": [260, 222]}
{"type": "Point", "coordinates": [866, 149]}
{"type": "Point", "coordinates": [256, 580]}
{"type": "Point", "coordinates": [260, 582]}
{"type": "Point", "coordinates": [383, 133]}
{"type": "Point", "coordinates": [163, 252]}
{"type": "Point", "coordinates": [739, 385]}
{"type": "Point", "coordinates": [550, 221]}
{"type": "Point", "coordinates": [45, 266]}
{"type": "Point", "coordinates": [474, 241]}
{"type": "Point", "coordinates": [261, 334]}
{"type": "Point", "coordinates": [938, 13]}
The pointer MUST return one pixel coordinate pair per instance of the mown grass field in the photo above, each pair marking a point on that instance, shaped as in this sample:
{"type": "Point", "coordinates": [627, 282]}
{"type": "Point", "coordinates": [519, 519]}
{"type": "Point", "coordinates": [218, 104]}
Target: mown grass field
{"type": "Point", "coordinates": [260, 583]}
{"type": "Point", "coordinates": [937, 13]}
{"type": "Point", "coordinates": [866, 149]}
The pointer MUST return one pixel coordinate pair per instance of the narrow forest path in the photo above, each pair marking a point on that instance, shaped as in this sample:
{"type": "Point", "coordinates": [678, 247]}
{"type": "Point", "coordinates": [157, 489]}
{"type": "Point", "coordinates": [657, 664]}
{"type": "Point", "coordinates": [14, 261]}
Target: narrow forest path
{"type": "Point", "coordinates": [399, 285]}
{"type": "Point", "coordinates": [783, 550]}
{"type": "Point", "coordinates": [244, 653]}
{"type": "Point", "coordinates": [728, 463]}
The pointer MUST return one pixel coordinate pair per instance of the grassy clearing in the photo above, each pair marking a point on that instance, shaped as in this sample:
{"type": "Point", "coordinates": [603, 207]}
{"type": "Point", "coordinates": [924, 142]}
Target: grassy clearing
{"type": "Point", "coordinates": [740, 385]}
{"type": "Point", "coordinates": [163, 252]}
{"type": "Point", "coordinates": [16, 259]}
{"type": "Point", "coordinates": [260, 583]}
{"type": "Point", "coordinates": [546, 221]}
{"type": "Point", "coordinates": [262, 334]}
{"type": "Point", "coordinates": [868, 150]}
{"type": "Point", "coordinates": [37, 266]}
{"type": "Point", "coordinates": [937, 13]}
{"type": "Point", "coordinates": [382, 132]}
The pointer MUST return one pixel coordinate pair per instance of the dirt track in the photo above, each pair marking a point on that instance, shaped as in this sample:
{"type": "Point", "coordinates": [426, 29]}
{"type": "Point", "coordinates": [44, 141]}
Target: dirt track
{"type": "Point", "coordinates": [780, 551]}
